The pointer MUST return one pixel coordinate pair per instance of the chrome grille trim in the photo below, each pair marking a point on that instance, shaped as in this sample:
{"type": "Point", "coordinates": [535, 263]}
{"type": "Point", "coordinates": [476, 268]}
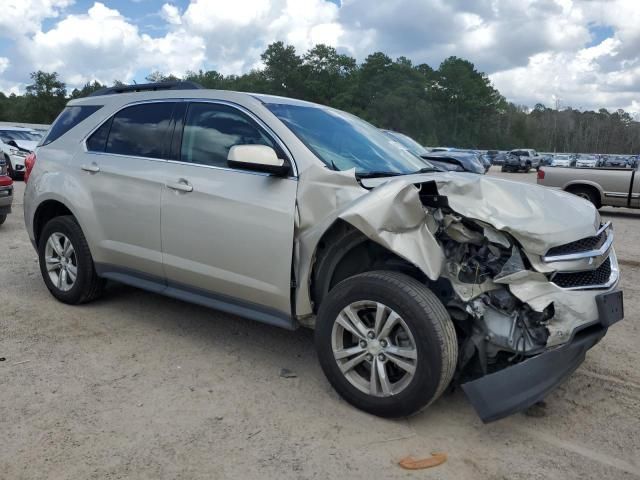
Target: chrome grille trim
{"type": "Point", "coordinates": [613, 278]}
{"type": "Point", "coordinates": [598, 252]}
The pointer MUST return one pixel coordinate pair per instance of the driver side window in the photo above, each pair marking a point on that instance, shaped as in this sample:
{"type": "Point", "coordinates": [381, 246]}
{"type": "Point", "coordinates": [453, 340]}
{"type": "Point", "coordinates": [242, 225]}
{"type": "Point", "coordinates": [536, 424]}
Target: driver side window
{"type": "Point", "coordinates": [210, 130]}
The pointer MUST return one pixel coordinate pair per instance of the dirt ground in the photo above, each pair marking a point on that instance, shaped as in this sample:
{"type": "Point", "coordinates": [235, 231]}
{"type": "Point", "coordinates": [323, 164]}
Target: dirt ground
{"type": "Point", "coordinates": [141, 386]}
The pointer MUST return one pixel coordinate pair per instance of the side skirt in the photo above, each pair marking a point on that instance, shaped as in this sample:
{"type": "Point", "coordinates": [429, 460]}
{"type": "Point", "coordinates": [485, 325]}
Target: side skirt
{"type": "Point", "coordinates": [197, 296]}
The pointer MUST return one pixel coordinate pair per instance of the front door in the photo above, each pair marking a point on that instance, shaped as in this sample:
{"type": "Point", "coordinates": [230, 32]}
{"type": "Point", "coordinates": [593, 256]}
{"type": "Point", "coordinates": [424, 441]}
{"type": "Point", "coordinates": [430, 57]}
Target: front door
{"type": "Point", "coordinates": [227, 233]}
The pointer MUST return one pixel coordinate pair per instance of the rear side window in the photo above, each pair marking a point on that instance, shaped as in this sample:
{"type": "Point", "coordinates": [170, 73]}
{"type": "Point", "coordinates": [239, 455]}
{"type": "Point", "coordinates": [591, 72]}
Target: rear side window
{"type": "Point", "coordinates": [138, 131]}
{"type": "Point", "coordinates": [69, 118]}
{"type": "Point", "coordinates": [97, 142]}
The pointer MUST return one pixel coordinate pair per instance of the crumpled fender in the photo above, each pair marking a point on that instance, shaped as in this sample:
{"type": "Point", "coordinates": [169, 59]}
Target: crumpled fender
{"type": "Point", "coordinates": [390, 215]}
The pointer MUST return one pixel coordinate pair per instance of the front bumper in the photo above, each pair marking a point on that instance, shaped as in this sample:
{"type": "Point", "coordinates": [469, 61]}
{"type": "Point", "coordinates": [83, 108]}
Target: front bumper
{"type": "Point", "coordinates": [516, 388]}
{"type": "Point", "coordinates": [17, 163]}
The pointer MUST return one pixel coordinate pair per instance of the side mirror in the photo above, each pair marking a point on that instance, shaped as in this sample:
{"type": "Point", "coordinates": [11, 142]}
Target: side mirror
{"type": "Point", "coordinates": [260, 158]}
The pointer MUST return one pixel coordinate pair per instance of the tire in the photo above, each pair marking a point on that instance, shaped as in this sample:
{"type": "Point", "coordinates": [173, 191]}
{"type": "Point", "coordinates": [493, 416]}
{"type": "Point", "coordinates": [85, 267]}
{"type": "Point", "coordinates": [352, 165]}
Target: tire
{"type": "Point", "coordinates": [431, 337]}
{"type": "Point", "coordinates": [3, 218]}
{"type": "Point", "coordinates": [87, 285]}
{"type": "Point", "coordinates": [588, 194]}
{"type": "Point", "coordinates": [503, 169]}
{"type": "Point", "coordinates": [527, 167]}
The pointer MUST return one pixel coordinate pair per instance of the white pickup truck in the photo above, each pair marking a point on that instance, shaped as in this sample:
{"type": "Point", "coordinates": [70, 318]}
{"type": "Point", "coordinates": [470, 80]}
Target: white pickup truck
{"type": "Point", "coordinates": [615, 187]}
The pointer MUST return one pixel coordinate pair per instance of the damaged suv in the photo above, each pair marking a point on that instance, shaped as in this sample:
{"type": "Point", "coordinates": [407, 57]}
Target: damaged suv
{"type": "Point", "coordinates": [296, 214]}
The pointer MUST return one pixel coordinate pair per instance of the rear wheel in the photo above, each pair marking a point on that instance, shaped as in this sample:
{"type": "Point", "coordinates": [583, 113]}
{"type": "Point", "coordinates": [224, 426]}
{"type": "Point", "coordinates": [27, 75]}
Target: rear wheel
{"type": "Point", "coordinates": [3, 218]}
{"type": "Point", "coordinates": [386, 343]}
{"type": "Point", "coordinates": [588, 194]}
{"type": "Point", "coordinates": [66, 263]}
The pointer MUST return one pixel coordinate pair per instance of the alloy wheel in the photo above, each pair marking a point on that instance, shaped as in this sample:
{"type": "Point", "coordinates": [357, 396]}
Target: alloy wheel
{"type": "Point", "coordinates": [374, 348]}
{"type": "Point", "coordinates": [61, 261]}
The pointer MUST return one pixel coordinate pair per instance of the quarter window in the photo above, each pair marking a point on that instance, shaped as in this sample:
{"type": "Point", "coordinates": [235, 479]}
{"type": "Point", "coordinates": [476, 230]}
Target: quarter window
{"type": "Point", "coordinates": [69, 118]}
{"type": "Point", "coordinates": [210, 130]}
{"type": "Point", "coordinates": [140, 130]}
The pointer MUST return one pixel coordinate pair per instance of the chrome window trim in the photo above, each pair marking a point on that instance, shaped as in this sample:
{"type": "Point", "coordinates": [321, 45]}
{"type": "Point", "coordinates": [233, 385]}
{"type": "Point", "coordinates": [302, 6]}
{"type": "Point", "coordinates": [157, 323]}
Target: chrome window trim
{"type": "Point", "coordinates": [613, 278]}
{"type": "Point", "coordinates": [240, 108]}
{"type": "Point", "coordinates": [588, 254]}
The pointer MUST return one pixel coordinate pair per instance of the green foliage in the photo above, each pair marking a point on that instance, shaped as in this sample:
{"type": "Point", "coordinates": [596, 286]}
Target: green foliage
{"type": "Point", "coordinates": [454, 105]}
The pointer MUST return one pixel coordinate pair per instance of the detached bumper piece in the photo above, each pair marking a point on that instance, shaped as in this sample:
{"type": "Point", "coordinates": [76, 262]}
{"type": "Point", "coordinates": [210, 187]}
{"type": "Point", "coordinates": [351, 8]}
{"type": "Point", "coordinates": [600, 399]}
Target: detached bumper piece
{"type": "Point", "coordinates": [516, 388]}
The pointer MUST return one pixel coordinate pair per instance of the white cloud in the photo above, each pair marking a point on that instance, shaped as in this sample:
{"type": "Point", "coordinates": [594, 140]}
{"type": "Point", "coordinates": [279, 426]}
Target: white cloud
{"type": "Point", "coordinates": [4, 64]}
{"type": "Point", "coordinates": [532, 49]}
{"type": "Point", "coordinates": [171, 14]}
{"type": "Point", "coordinates": [18, 17]}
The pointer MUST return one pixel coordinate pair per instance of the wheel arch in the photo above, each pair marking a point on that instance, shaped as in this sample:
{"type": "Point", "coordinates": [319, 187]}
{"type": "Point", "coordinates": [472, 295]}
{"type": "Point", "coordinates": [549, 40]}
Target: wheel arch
{"type": "Point", "coordinates": [594, 187]}
{"type": "Point", "coordinates": [47, 210]}
{"type": "Point", "coordinates": [344, 251]}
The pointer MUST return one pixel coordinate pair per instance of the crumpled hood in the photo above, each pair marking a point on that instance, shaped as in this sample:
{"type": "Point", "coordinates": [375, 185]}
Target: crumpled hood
{"type": "Point", "coordinates": [538, 217]}
{"type": "Point", "coordinates": [26, 144]}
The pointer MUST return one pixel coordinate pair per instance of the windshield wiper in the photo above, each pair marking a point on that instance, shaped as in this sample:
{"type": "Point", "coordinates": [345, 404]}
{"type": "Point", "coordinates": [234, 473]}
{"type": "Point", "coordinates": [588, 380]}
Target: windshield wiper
{"type": "Point", "coordinates": [377, 173]}
{"type": "Point", "coordinates": [427, 170]}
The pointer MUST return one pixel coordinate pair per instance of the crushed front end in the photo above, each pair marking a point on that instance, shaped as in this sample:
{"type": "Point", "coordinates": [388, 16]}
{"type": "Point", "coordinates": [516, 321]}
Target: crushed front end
{"type": "Point", "coordinates": [524, 320]}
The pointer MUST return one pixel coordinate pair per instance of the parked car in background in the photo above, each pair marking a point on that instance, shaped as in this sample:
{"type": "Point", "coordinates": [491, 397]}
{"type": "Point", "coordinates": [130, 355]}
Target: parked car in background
{"type": "Point", "coordinates": [500, 158]}
{"type": "Point", "coordinates": [15, 144]}
{"type": "Point", "coordinates": [615, 187]}
{"type": "Point", "coordinates": [491, 155]}
{"type": "Point", "coordinates": [406, 142]}
{"type": "Point", "coordinates": [522, 159]}
{"type": "Point", "coordinates": [292, 213]}
{"type": "Point", "coordinates": [587, 161]}
{"type": "Point", "coordinates": [616, 161]}
{"type": "Point", "coordinates": [457, 161]}
{"type": "Point", "coordinates": [450, 160]}
{"type": "Point", "coordinates": [546, 159]}
{"type": "Point", "coordinates": [563, 160]}
{"type": "Point", "coordinates": [6, 191]}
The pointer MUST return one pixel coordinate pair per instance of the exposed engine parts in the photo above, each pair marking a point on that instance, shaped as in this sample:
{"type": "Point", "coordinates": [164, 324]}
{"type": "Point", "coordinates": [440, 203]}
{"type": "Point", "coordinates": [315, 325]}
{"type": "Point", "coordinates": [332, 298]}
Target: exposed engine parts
{"type": "Point", "coordinates": [498, 328]}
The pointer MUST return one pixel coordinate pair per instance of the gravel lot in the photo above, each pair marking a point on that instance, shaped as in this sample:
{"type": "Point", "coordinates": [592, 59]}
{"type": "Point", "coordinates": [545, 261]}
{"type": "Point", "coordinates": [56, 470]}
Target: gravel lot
{"type": "Point", "coordinates": [141, 386]}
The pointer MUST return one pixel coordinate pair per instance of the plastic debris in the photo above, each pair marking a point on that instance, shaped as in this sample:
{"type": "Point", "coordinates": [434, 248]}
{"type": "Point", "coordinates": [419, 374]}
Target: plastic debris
{"type": "Point", "coordinates": [410, 463]}
{"type": "Point", "coordinates": [286, 373]}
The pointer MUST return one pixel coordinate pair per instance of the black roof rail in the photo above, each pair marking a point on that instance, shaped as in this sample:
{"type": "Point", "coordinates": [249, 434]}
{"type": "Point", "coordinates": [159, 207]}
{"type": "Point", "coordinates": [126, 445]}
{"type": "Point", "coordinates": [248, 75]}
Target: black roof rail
{"type": "Point", "coordinates": [147, 87]}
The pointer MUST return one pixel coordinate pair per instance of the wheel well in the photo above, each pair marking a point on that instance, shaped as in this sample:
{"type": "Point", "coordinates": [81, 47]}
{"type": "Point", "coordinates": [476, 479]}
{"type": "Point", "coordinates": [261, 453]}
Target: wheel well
{"type": "Point", "coordinates": [343, 251]}
{"type": "Point", "coordinates": [45, 212]}
{"type": "Point", "coordinates": [585, 187]}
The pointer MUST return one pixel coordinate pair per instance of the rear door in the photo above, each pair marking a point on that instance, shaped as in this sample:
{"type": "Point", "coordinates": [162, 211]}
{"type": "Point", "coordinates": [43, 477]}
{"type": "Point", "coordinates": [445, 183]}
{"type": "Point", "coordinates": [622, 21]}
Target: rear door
{"type": "Point", "coordinates": [122, 168]}
{"type": "Point", "coordinates": [227, 234]}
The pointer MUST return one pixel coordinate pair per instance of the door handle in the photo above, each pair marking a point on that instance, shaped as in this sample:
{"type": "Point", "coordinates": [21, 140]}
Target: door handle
{"type": "Point", "coordinates": [93, 168]}
{"type": "Point", "coordinates": [181, 186]}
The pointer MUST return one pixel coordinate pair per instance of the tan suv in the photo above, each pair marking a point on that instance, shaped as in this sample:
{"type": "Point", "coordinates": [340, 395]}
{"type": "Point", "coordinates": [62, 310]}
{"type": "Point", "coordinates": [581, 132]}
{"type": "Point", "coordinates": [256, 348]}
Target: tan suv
{"type": "Point", "coordinates": [292, 213]}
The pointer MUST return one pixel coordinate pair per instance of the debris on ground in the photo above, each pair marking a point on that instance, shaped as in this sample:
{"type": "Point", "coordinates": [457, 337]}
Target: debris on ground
{"type": "Point", "coordinates": [286, 373]}
{"type": "Point", "coordinates": [537, 410]}
{"type": "Point", "coordinates": [410, 463]}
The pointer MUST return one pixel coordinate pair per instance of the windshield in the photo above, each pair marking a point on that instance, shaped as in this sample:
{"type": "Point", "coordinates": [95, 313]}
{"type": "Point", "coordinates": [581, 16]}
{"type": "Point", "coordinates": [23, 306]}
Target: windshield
{"type": "Point", "coordinates": [343, 141]}
{"type": "Point", "coordinates": [7, 135]}
{"type": "Point", "coordinates": [407, 142]}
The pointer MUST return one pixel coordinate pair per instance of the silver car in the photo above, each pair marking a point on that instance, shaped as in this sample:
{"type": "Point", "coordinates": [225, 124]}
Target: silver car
{"type": "Point", "coordinates": [296, 214]}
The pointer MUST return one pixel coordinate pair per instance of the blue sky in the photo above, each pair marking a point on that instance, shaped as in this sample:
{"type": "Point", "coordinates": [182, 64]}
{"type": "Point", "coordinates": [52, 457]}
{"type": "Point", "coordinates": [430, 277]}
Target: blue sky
{"type": "Point", "coordinates": [586, 53]}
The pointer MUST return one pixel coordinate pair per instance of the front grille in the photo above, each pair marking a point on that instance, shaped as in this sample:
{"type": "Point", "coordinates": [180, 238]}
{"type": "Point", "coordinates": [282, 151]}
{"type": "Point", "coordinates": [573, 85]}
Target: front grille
{"type": "Point", "coordinates": [582, 245]}
{"type": "Point", "coordinates": [587, 278]}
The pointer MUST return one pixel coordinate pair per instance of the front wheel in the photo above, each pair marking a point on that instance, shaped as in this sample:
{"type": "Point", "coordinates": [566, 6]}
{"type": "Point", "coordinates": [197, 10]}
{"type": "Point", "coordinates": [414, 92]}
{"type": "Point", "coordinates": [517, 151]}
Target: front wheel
{"type": "Point", "coordinates": [386, 343]}
{"type": "Point", "coordinates": [66, 263]}
{"type": "Point", "coordinates": [3, 218]}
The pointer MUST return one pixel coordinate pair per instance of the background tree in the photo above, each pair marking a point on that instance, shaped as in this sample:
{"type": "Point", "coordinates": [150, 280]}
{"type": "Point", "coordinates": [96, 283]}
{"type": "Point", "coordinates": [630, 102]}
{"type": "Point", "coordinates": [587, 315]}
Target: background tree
{"type": "Point", "coordinates": [453, 105]}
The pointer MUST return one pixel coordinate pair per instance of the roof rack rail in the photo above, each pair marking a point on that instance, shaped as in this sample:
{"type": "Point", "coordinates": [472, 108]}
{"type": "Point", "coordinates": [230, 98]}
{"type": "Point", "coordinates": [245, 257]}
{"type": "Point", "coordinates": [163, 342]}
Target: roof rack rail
{"type": "Point", "coordinates": [147, 87]}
